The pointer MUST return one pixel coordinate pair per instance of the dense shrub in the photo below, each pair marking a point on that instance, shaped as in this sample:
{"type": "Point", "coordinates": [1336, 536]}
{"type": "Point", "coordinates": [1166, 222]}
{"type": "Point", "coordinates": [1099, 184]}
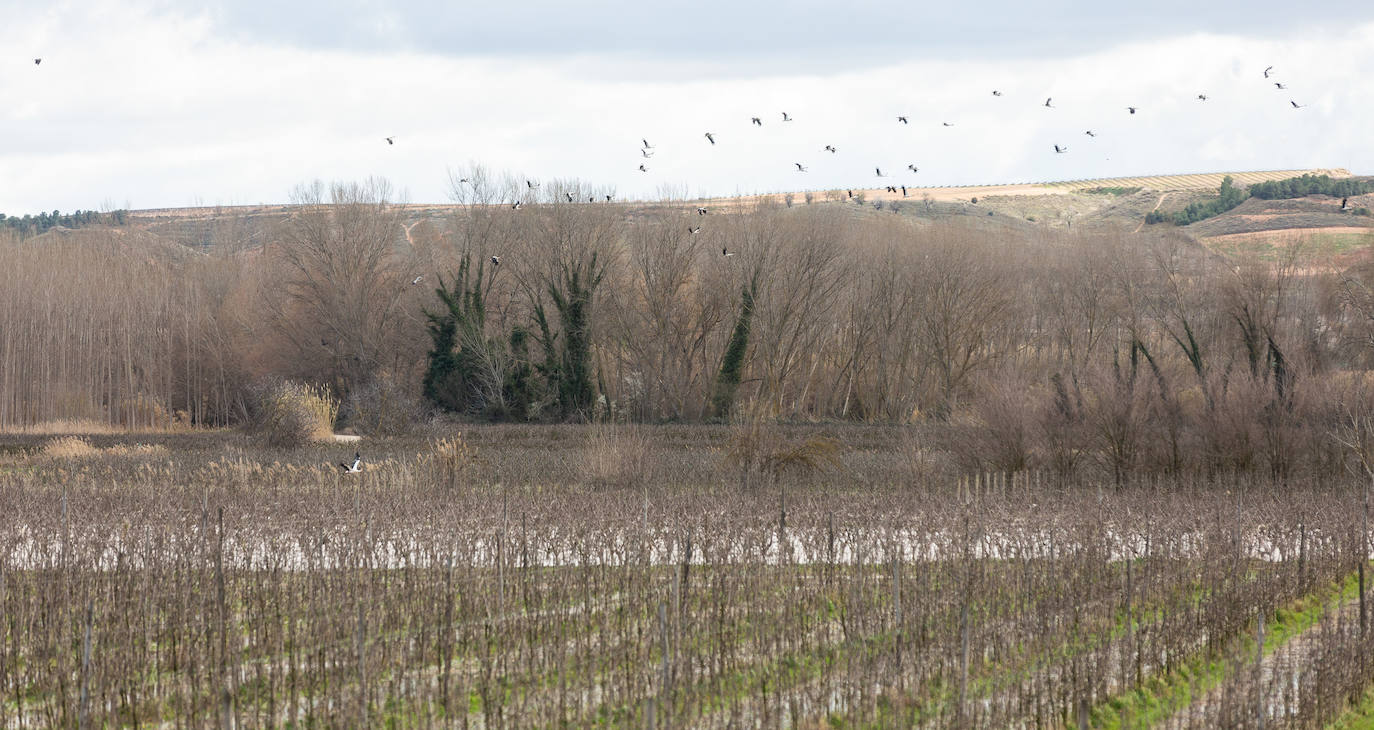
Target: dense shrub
{"type": "Point", "coordinates": [289, 414]}
{"type": "Point", "coordinates": [1301, 187]}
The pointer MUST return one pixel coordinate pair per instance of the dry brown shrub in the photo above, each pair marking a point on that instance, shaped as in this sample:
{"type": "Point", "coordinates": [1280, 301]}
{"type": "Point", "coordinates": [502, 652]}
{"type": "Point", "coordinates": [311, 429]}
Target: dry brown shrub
{"type": "Point", "coordinates": [293, 414]}
{"type": "Point", "coordinates": [451, 459]}
{"type": "Point", "coordinates": [69, 447]}
{"type": "Point", "coordinates": [615, 456]}
{"type": "Point", "coordinates": [760, 453]}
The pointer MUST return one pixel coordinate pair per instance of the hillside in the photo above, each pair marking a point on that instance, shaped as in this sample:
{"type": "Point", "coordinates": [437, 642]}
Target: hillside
{"type": "Point", "coordinates": [1119, 202]}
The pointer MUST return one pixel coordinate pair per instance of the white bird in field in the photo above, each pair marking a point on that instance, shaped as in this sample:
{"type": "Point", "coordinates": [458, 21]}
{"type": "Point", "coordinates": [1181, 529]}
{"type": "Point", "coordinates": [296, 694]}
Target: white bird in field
{"type": "Point", "coordinates": [356, 467]}
{"type": "Point", "coordinates": [416, 280]}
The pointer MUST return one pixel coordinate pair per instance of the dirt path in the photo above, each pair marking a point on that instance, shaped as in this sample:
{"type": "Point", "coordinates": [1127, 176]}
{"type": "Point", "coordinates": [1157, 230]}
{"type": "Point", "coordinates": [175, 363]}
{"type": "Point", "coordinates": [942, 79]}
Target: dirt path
{"type": "Point", "coordinates": [1157, 204]}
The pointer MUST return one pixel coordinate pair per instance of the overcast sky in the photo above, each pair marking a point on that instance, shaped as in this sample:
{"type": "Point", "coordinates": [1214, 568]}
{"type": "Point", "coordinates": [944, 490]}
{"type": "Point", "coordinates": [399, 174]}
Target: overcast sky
{"type": "Point", "coordinates": [146, 103]}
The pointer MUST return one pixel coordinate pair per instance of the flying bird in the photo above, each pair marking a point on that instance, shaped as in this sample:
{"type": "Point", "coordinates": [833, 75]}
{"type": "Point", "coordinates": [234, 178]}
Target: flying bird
{"type": "Point", "coordinates": [1202, 97]}
{"type": "Point", "coordinates": [1267, 70]}
{"type": "Point", "coordinates": [495, 260]}
{"type": "Point", "coordinates": [786, 118]}
{"type": "Point", "coordinates": [1295, 104]}
{"type": "Point", "coordinates": [569, 195]}
{"type": "Point", "coordinates": [356, 467]}
{"type": "Point", "coordinates": [1343, 202]}
{"type": "Point", "coordinates": [701, 210]}
{"type": "Point", "coordinates": [913, 168]}
{"type": "Point", "coordinates": [1060, 150]}
{"type": "Point", "coordinates": [515, 206]}
{"type": "Point", "coordinates": [903, 120]}
{"type": "Point", "coordinates": [710, 138]}
{"type": "Point", "coordinates": [830, 149]}
{"type": "Point", "coordinates": [903, 191]}
{"type": "Point", "coordinates": [800, 167]}
{"type": "Point", "coordinates": [1048, 99]}
{"type": "Point", "coordinates": [531, 185]}
{"type": "Point", "coordinates": [879, 172]}
{"type": "Point", "coordinates": [391, 140]}
{"type": "Point", "coordinates": [1130, 109]}
{"type": "Point", "coordinates": [416, 280]}
{"type": "Point", "coordinates": [947, 124]}
{"type": "Point", "coordinates": [1090, 133]}
{"type": "Point", "coordinates": [727, 252]}
{"type": "Point", "coordinates": [643, 168]}
{"type": "Point", "coordinates": [608, 198]}
{"type": "Point", "coordinates": [995, 92]}
{"type": "Point", "coordinates": [756, 121]}
{"type": "Point", "coordinates": [693, 230]}
{"type": "Point", "coordinates": [1277, 85]}
{"type": "Point", "coordinates": [647, 146]}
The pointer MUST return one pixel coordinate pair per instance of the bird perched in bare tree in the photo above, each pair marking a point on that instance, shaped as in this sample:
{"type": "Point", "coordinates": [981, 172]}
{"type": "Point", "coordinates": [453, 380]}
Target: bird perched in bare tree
{"type": "Point", "coordinates": [391, 140]}
{"type": "Point", "coordinates": [1060, 150]}
{"type": "Point", "coordinates": [830, 149]}
{"type": "Point", "coordinates": [416, 280]}
{"type": "Point", "coordinates": [903, 120]}
{"type": "Point", "coordinates": [756, 121]}
{"type": "Point", "coordinates": [800, 167]}
{"type": "Point", "coordinates": [710, 138]}
{"type": "Point", "coordinates": [786, 118]}
{"type": "Point", "coordinates": [495, 260]}
{"type": "Point", "coordinates": [356, 467]}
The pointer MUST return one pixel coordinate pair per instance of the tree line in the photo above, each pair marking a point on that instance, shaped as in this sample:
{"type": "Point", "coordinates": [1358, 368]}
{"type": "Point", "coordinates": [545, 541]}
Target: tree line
{"type": "Point", "coordinates": [1058, 348]}
{"type": "Point", "coordinates": [35, 224]}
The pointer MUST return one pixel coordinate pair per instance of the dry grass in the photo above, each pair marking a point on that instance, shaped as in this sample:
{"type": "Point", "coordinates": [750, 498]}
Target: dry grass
{"type": "Point", "coordinates": [76, 447]}
{"type": "Point", "coordinates": [615, 456]}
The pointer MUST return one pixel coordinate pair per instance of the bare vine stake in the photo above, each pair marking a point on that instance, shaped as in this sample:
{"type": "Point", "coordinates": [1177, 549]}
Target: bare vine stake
{"type": "Point", "coordinates": [84, 717]}
{"type": "Point", "coordinates": [1259, 672]}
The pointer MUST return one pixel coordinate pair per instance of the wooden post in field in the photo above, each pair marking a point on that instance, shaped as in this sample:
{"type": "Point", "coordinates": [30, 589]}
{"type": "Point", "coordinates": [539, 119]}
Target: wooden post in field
{"type": "Point", "coordinates": [1259, 673]}
{"type": "Point", "coordinates": [963, 665]}
{"type": "Point", "coordinates": [665, 683]}
{"type": "Point", "coordinates": [83, 719]}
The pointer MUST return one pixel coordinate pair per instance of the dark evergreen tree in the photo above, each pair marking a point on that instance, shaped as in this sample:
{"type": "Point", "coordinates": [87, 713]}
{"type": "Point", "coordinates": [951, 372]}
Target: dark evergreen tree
{"type": "Point", "coordinates": [732, 365]}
